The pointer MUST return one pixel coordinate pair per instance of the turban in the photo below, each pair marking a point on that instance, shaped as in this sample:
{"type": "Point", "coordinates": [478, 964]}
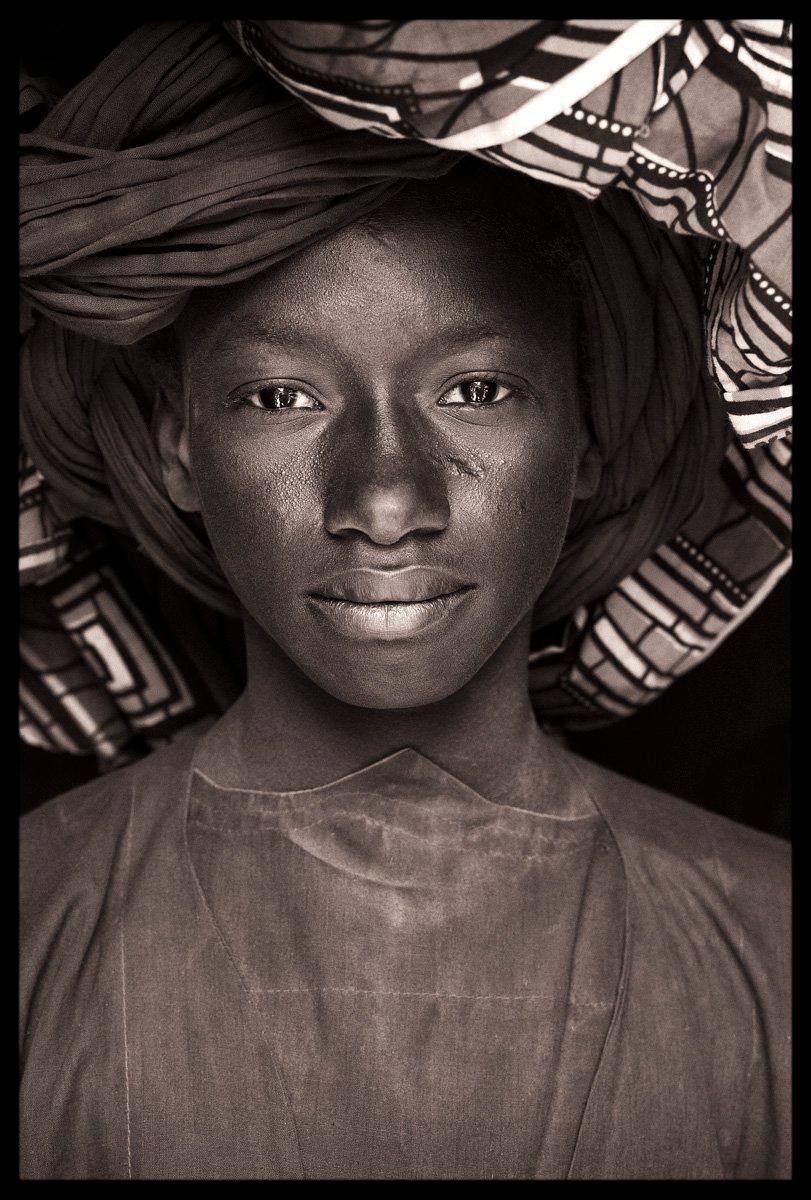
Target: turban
{"type": "Point", "coordinates": [175, 165]}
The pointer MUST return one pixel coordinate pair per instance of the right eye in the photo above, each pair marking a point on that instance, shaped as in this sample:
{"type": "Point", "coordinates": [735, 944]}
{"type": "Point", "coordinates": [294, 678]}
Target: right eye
{"type": "Point", "coordinates": [278, 397]}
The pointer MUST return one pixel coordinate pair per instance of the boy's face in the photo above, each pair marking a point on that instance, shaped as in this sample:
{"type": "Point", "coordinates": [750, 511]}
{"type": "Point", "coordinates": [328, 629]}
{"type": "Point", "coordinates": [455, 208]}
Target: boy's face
{"type": "Point", "coordinates": [384, 441]}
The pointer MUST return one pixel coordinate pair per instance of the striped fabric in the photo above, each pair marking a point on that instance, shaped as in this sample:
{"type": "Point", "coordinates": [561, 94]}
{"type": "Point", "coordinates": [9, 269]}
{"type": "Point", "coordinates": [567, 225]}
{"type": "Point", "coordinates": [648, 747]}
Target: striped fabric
{"type": "Point", "coordinates": [679, 605]}
{"type": "Point", "coordinates": [45, 540]}
{"type": "Point", "coordinates": [691, 117]}
{"type": "Point", "coordinates": [96, 674]}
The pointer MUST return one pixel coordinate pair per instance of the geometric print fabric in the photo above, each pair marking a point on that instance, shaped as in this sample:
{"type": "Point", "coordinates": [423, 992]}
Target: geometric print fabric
{"type": "Point", "coordinates": [693, 118]}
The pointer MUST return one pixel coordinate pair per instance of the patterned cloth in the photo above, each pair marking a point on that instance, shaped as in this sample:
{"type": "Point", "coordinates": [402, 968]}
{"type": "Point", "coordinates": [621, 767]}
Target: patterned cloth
{"type": "Point", "coordinates": [691, 117]}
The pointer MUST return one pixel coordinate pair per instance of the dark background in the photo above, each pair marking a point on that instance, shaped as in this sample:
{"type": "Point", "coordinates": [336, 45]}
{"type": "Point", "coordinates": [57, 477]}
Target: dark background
{"type": "Point", "coordinates": [718, 737]}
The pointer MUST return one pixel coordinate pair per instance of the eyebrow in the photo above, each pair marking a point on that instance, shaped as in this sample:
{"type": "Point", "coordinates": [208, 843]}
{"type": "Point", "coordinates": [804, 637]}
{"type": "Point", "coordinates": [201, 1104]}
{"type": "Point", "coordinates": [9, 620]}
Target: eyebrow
{"type": "Point", "coordinates": [459, 336]}
{"type": "Point", "coordinates": [250, 334]}
{"type": "Point", "coordinates": [289, 338]}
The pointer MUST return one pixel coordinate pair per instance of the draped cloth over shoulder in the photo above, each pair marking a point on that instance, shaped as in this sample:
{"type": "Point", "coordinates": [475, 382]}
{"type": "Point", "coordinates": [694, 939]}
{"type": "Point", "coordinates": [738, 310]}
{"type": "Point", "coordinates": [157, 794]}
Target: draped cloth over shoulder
{"type": "Point", "coordinates": [176, 165]}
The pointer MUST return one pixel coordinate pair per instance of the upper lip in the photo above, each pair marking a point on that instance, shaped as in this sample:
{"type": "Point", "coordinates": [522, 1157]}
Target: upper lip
{"type": "Point", "coordinates": [400, 585]}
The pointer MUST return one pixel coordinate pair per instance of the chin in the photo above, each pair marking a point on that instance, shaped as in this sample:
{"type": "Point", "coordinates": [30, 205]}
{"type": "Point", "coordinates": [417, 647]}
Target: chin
{"type": "Point", "coordinates": [378, 690]}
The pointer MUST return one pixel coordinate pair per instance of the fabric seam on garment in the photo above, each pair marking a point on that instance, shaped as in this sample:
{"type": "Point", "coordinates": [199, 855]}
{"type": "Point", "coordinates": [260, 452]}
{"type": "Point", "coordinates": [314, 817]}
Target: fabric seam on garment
{"type": "Point", "coordinates": [198, 887]}
{"type": "Point", "coordinates": [685, 1000]}
{"type": "Point", "coordinates": [323, 787]}
{"type": "Point", "coordinates": [350, 991]}
{"type": "Point", "coordinates": [562, 844]}
{"type": "Point", "coordinates": [622, 984]}
{"type": "Point", "coordinates": [492, 805]}
{"type": "Point", "coordinates": [743, 1119]}
{"type": "Point", "coordinates": [127, 860]}
{"type": "Point", "coordinates": [754, 1022]}
{"type": "Point", "coordinates": [570, 1004]}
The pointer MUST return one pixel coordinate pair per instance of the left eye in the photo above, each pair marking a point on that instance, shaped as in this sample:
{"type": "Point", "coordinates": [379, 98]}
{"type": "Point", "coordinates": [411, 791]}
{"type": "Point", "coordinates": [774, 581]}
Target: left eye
{"type": "Point", "coordinates": [279, 397]}
{"type": "Point", "coordinates": [476, 393]}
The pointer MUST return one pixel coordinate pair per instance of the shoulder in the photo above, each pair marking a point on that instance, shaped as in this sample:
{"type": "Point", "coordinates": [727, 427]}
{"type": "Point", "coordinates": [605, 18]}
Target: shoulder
{"type": "Point", "coordinates": [77, 822]}
{"type": "Point", "coordinates": [73, 848]}
{"type": "Point", "coordinates": [72, 835]}
{"type": "Point", "coordinates": [695, 872]}
{"type": "Point", "coordinates": [654, 823]}
{"type": "Point", "coordinates": [709, 914]}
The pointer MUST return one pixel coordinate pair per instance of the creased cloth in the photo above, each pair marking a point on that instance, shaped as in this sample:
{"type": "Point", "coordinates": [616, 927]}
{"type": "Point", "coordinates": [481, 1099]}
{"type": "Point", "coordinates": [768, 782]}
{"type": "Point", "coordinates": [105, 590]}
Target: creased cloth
{"type": "Point", "coordinates": [693, 117]}
{"type": "Point", "coordinates": [389, 976]}
{"type": "Point", "coordinates": [173, 166]}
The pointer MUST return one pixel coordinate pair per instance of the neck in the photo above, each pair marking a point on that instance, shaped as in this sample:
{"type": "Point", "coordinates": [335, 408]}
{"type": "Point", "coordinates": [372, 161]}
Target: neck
{"type": "Point", "coordinates": [285, 733]}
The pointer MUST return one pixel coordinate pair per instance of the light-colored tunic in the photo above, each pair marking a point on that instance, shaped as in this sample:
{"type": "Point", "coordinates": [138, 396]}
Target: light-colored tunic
{"type": "Point", "coordinates": [393, 977]}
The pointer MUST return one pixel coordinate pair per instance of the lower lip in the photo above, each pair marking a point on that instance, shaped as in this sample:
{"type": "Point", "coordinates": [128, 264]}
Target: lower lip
{"type": "Point", "coordinates": [387, 622]}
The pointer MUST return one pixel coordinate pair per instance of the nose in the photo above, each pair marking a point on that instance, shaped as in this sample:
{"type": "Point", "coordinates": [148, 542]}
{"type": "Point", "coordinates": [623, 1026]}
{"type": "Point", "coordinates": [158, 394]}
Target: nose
{"type": "Point", "coordinates": [386, 484]}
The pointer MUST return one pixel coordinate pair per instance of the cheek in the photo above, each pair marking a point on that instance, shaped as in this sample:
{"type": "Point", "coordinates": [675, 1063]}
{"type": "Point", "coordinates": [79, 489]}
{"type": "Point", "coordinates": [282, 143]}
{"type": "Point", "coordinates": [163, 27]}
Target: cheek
{"type": "Point", "coordinates": [521, 514]}
{"type": "Point", "coordinates": [260, 508]}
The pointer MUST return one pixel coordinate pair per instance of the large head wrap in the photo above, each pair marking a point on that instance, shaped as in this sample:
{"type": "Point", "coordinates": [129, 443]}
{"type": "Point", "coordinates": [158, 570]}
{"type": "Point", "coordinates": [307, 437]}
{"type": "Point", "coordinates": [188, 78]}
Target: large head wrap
{"type": "Point", "coordinates": [176, 166]}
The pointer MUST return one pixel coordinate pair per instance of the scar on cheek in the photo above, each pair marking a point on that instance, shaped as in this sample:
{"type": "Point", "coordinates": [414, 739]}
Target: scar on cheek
{"type": "Point", "coordinates": [459, 467]}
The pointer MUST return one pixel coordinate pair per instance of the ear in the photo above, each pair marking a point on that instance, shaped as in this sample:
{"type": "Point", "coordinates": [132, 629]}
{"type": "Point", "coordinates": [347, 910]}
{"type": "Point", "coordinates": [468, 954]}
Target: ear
{"type": "Point", "coordinates": [589, 469]}
{"type": "Point", "coordinates": [171, 432]}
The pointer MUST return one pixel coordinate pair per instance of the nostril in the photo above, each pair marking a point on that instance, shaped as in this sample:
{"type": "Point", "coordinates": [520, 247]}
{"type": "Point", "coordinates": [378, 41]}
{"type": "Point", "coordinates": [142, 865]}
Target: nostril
{"type": "Point", "coordinates": [387, 512]}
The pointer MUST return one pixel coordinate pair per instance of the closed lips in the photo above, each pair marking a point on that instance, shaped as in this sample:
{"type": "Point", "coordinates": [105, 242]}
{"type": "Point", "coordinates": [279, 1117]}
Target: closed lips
{"type": "Point", "coordinates": [404, 585]}
{"type": "Point", "coordinates": [388, 606]}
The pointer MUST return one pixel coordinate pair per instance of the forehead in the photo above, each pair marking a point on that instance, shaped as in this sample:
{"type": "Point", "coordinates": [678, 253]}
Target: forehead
{"type": "Point", "coordinates": [436, 254]}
